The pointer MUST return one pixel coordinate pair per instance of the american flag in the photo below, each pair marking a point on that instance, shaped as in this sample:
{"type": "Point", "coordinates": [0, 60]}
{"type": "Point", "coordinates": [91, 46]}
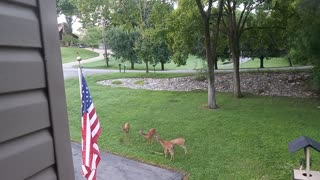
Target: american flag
{"type": "Point", "coordinates": [91, 130]}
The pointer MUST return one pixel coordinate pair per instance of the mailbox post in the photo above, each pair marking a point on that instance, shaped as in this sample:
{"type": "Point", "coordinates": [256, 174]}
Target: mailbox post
{"type": "Point", "coordinates": [305, 143]}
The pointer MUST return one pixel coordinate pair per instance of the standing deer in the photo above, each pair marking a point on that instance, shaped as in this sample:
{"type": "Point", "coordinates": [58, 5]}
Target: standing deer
{"type": "Point", "coordinates": [126, 128]}
{"type": "Point", "coordinates": [180, 142]}
{"type": "Point", "coordinates": [148, 135]}
{"type": "Point", "coordinates": [167, 146]}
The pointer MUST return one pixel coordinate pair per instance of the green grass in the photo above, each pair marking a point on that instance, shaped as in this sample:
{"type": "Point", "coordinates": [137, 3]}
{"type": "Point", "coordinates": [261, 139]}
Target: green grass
{"type": "Point", "coordinates": [273, 62]}
{"type": "Point", "coordinates": [193, 62]}
{"type": "Point", "coordinates": [69, 54]}
{"type": "Point", "coordinates": [244, 139]}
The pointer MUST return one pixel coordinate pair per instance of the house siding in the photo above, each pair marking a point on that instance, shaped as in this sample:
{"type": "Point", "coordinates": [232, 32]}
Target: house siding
{"type": "Point", "coordinates": [34, 133]}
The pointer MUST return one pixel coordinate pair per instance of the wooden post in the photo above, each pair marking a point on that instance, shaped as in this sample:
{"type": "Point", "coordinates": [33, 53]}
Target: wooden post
{"type": "Point", "coordinates": [307, 153]}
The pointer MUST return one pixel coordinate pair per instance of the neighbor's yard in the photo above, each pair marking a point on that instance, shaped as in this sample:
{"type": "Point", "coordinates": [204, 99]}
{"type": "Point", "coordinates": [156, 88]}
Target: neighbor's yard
{"type": "Point", "coordinates": [70, 54]}
{"type": "Point", "coordinates": [244, 139]}
{"type": "Point", "coordinates": [273, 62]}
{"type": "Point", "coordinates": [193, 62]}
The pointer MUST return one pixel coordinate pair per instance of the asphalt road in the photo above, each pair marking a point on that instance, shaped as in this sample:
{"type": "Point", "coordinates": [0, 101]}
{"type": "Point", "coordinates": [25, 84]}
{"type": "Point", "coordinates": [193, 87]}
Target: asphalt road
{"type": "Point", "coordinates": [114, 167]}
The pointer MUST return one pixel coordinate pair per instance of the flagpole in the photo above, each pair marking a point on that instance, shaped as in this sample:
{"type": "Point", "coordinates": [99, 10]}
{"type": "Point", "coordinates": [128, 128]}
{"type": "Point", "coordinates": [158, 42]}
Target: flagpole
{"type": "Point", "coordinates": [80, 76]}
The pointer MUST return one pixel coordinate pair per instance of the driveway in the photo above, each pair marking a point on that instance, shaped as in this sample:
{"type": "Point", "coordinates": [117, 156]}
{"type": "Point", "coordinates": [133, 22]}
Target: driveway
{"type": "Point", "coordinates": [114, 167]}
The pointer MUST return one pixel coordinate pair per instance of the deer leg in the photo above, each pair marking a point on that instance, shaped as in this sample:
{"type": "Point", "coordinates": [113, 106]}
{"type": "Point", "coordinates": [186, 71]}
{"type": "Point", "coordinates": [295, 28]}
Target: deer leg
{"type": "Point", "coordinates": [185, 148]}
{"type": "Point", "coordinates": [172, 154]}
{"type": "Point", "coordinates": [165, 153]}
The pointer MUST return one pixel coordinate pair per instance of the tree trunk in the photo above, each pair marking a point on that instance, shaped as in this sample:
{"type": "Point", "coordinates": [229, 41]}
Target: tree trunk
{"type": "Point", "coordinates": [216, 63]}
{"type": "Point", "coordinates": [147, 67]}
{"type": "Point", "coordinates": [261, 61]}
{"type": "Point", "coordinates": [162, 66]}
{"type": "Point", "coordinates": [210, 52]}
{"type": "Point", "coordinates": [234, 44]}
{"type": "Point", "coordinates": [106, 51]}
{"type": "Point", "coordinates": [132, 65]}
{"type": "Point", "coordinates": [290, 62]}
{"type": "Point", "coordinates": [68, 29]}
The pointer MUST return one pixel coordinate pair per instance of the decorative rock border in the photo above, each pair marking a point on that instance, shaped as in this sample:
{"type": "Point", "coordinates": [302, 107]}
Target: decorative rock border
{"type": "Point", "coordinates": [266, 84]}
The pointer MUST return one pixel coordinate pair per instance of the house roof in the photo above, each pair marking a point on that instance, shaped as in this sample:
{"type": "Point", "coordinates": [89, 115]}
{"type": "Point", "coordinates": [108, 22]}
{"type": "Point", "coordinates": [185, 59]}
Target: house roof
{"type": "Point", "coordinates": [303, 142]}
{"type": "Point", "coordinates": [61, 29]}
{"type": "Point", "coordinates": [61, 26]}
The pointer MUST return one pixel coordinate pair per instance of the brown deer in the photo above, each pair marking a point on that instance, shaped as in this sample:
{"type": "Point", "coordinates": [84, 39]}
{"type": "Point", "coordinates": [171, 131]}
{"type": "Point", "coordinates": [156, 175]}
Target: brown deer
{"type": "Point", "coordinates": [148, 135]}
{"type": "Point", "coordinates": [167, 146]}
{"type": "Point", "coordinates": [180, 142]}
{"type": "Point", "coordinates": [126, 128]}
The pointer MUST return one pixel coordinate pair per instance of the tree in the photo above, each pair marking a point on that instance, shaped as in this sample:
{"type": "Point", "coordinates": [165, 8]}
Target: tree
{"type": "Point", "coordinates": [304, 37]}
{"type": "Point", "coordinates": [69, 40]}
{"type": "Point", "coordinates": [92, 37]}
{"type": "Point", "coordinates": [147, 18]}
{"type": "Point", "coordinates": [161, 53]}
{"type": "Point", "coordinates": [234, 23]}
{"type": "Point", "coordinates": [158, 32]}
{"type": "Point", "coordinates": [122, 43]}
{"type": "Point", "coordinates": [92, 12]}
{"type": "Point", "coordinates": [265, 38]}
{"type": "Point", "coordinates": [95, 13]}
{"type": "Point", "coordinates": [144, 49]}
{"type": "Point", "coordinates": [67, 8]}
{"type": "Point", "coordinates": [211, 52]}
{"type": "Point", "coordinates": [185, 33]}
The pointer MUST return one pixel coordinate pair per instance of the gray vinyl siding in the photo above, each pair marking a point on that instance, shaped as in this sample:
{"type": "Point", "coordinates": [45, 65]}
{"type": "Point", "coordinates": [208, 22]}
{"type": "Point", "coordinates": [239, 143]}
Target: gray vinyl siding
{"type": "Point", "coordinates": [34, 133]}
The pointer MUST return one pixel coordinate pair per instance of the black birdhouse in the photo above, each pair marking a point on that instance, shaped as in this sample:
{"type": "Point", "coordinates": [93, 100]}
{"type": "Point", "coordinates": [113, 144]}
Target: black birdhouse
{"type": "Point", "coordinates": [305, 143]}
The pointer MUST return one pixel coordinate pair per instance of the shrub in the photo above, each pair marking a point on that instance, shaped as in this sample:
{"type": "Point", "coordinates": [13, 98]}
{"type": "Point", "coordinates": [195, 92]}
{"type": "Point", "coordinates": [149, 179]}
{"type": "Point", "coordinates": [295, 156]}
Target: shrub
{"type": "Point", "coordinates": [69, 40]}
{"type": "Point", "coordinates": [116, 82]}
{"type": "Point", "coordinates": [316, 77]}
{"type": "Point", "coordinates": [201, 77]}
{"type": "Point", "coordinates": [139, 82]}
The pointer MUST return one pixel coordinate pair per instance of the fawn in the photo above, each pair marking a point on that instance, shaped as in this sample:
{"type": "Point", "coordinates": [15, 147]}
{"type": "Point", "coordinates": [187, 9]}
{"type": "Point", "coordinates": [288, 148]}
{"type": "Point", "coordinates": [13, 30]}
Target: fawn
{"type": "Point", "coordinates": [167, 146]}
{"type": "Point", "coordinates": [180, 142]}
{"type": "Point", "coordinates": [126, 128]}
{"type": "Point", "coordinates": [148, 135]}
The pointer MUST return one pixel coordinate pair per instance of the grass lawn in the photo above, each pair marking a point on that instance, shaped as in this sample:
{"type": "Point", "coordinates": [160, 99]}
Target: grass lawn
{"type": "Point", "coordinates": [273, 62]}
{"type": "Point", "coordinates": [245, 139]}
{"type": "Point", "coordinates": [69, 54]}
{"type": "Point", "coordinates": [193, 62]}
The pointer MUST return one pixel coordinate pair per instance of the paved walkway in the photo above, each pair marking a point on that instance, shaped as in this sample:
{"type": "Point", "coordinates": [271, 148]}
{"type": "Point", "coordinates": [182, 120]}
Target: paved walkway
{"type": "Point", "coordinates": [114, 167]}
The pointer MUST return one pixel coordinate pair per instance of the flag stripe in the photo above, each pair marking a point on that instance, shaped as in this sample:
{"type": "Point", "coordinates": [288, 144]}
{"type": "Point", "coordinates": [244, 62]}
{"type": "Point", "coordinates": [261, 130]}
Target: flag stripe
{"type": "Point", "coordinates": [95, 130]}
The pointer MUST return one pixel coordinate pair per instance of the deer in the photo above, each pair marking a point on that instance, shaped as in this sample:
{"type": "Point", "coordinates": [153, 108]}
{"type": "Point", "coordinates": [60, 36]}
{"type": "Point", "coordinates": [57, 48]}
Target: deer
{"type": "Point", "coordinates": [148, 135]}
{"type": "Point", "coordinates": [126, 128]}
{"type": "Point", "coordinates": [167, 146]}
{"type": "Point", "coordinates": [179, 142]}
